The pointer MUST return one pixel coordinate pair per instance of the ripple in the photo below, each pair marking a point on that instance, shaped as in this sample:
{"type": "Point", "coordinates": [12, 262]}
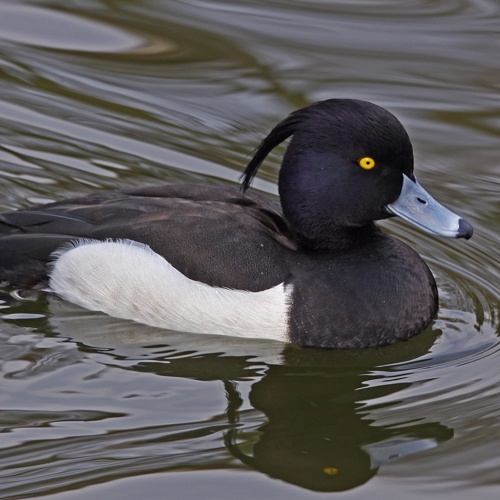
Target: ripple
{"type": "Point", "coordinates": [18, 316]}
{"type": "Point", "coordinates": [99, 94]}
{"type": "Point", "coordinates": [50, 29]}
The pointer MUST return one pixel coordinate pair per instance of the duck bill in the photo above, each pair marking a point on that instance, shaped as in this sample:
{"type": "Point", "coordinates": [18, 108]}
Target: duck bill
{"type": "Point", "coordinates": [417, 206]}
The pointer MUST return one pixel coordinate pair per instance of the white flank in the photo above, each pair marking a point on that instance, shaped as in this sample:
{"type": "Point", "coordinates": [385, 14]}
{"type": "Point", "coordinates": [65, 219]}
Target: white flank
{"type": "Point", "coordinates": [126, 279]}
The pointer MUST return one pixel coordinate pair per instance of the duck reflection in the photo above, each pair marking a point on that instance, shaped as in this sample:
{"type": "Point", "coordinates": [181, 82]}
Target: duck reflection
{"type": "Point", "coordinates": [312, 420]}
{"type": "Point", "coordinates": [318, 434]}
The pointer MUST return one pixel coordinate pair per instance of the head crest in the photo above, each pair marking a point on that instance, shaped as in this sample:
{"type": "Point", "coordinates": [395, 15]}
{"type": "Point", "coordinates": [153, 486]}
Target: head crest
{"type": "Point", "coordinates": [278, 134]}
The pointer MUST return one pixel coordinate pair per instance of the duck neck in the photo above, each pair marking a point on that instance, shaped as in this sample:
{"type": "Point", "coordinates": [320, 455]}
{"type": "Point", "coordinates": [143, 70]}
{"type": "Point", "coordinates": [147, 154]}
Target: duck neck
{"type": "Point", "coordinates": [339, 239]}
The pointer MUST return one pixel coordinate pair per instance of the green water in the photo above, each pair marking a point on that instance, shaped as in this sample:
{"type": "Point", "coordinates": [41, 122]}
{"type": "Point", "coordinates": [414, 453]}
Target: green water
{"type": "Point", "coordinates": [100, 94]}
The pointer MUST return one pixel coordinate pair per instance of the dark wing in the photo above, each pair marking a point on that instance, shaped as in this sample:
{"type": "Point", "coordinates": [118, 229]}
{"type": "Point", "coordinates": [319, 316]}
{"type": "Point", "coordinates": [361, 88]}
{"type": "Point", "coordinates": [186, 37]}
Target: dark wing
{"type": "Point", "coordinates": [211, 234]}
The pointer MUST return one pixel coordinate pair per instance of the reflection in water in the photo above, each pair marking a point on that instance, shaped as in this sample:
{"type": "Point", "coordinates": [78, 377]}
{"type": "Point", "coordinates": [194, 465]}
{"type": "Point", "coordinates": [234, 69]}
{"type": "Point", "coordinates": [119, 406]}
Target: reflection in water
{"type": "Point", "coordinates": [307, 423]}
{"type": "Point", "coordinates": [99, 94]}
{"type": "Point", "coordinates": [316, 435]}
{"type": "Point", "coordinates": [322, 420]}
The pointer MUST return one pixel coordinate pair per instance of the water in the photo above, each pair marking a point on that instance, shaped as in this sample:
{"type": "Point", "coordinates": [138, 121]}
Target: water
{"type": "Point", "coordinates": [96, 94]}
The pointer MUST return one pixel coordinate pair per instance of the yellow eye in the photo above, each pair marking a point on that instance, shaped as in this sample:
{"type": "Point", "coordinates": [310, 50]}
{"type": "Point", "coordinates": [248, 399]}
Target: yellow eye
{"type": "Point", "coordinates": [367, 163]}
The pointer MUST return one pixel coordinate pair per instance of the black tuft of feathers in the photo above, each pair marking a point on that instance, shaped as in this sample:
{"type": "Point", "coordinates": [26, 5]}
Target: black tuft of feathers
{"type": "Point", "coordinates": [278, 134]}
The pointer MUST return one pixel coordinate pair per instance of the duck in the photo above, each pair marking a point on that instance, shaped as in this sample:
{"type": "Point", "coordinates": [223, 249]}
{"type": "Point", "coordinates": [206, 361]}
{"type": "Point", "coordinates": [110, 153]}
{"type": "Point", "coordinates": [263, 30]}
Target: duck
{"type": "Point", "coordinates": [313, 269]}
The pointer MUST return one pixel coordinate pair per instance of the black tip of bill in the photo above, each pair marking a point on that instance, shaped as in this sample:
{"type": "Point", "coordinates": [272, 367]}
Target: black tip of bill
{"type": "Point", "coordinates": [465, 230]}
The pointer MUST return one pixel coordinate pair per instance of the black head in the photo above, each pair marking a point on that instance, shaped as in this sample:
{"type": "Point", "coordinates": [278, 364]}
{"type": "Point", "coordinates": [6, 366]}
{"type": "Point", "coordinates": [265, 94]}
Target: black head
{"type": "Point", "coordinates": [343, 166]}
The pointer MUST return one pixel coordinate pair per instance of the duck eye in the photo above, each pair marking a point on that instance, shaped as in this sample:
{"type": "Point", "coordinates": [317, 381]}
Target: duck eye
{"type": "Point", "coordinates": [367, 163]}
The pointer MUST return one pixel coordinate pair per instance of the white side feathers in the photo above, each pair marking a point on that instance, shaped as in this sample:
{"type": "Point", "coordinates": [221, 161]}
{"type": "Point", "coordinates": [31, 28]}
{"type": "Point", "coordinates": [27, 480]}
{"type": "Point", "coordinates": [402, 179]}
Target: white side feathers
{"type": "Point", "coordinates": [128, 280]}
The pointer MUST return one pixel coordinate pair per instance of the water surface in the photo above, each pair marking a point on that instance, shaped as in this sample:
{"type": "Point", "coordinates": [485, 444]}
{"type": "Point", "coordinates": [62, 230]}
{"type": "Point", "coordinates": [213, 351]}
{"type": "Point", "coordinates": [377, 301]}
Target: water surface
{"type": "Point", "coordinates": [100, 94]}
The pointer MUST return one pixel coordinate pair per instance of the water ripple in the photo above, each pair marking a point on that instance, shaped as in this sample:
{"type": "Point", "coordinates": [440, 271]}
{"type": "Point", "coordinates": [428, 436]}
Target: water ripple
{"type": "Point", "coordinates": [52, 29]}
{"type": "Point", "coordinates": [96, 95]}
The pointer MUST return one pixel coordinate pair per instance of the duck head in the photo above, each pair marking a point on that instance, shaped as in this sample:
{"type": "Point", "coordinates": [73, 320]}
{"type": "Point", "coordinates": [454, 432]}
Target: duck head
{"type": "Point", "coordinates": [348, 163]}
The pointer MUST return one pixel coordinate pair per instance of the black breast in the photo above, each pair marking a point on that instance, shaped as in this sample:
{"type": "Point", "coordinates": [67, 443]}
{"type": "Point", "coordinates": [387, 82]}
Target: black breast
{"type": "Point", "coordinates": [374, 295]}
